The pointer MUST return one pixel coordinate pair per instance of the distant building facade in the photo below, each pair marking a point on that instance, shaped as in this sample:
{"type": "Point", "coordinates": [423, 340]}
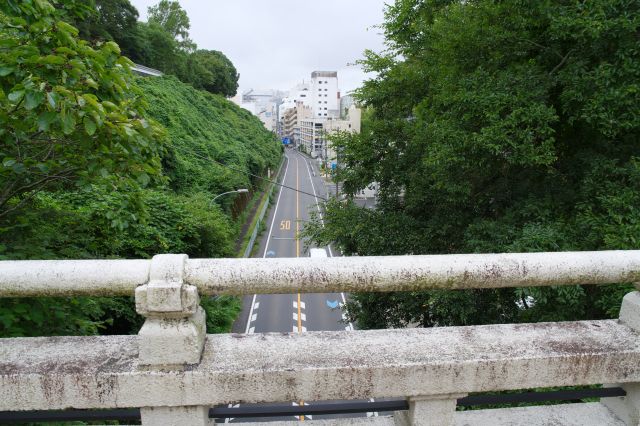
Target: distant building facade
{"type": "Point", "coordinates": [314, 109]}
{"type": "Point", "coordinates": [262, 103]}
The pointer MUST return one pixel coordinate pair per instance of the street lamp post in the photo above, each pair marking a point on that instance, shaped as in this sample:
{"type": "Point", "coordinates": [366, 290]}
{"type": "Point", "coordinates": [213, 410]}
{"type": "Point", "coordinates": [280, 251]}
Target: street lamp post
{"type": "Point", "coordinates": [239, 191]}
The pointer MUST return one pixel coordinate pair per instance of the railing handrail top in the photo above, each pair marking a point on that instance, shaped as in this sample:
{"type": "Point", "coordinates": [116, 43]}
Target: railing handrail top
{"type": "Point", "coordinates": [350, 274]}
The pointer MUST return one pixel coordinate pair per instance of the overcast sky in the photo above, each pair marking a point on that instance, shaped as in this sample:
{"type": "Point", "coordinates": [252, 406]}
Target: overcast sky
{"type": "Point", "coordinates": [276, 43]}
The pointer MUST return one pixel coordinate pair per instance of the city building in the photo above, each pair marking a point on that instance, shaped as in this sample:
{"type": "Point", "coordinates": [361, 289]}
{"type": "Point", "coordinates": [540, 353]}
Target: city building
{"type": "Point", "coordinates": [262, 103]}
{"type": "Point", "coordinates": [325, 94]}
{"type": "Point", "coordinates": [313, 109]}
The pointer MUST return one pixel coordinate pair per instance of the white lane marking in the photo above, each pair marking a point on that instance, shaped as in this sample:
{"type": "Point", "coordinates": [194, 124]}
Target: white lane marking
{"type": "Point", "coordinates": [303, 317]}
{"type": "Point", "coordinates": [251, 330]}
{"type": "Point", "coordinates": [295, 328]}
{"type": "Point", "coordinates": [344, 299]}
{"type": "Point", "coordinates": [306, 416]}
{"type": "Point", "coordinates": [315, 195]}
{"type": "Point", "coordinates": [375, 413]}
{"type": "Point", "coordinates": [295, 305]}
{"type": "Point", "coordinates": [254, 317]}
{"type": "Point", "coordinates": [275, 212]}
{"type": "Point", "coordinates": [253, 301]}
{"type": "Point", "coordinates": [228, 419]}
{"type": "Point", "coordinates": [256, 306]}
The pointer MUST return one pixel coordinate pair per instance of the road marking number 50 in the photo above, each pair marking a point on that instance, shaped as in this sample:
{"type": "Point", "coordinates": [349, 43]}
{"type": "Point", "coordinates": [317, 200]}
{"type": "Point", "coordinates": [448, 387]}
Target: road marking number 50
{"type": "Point", "coordinates": [285, 225]}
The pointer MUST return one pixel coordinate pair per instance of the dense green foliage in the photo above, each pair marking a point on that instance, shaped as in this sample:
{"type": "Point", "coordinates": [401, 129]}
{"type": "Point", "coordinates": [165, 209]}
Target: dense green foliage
{"type": "Point", "coordinates": [174, 20]}
{"type": "Point", "coordinates": [95, 215]}
{"type": "Point", "coordinates": [214, 72]}
{"type": "Point", "coordinates": [162, 43]}
{"type": "Point", "coordinates": [504, 126]}
{"type": "Point", "coordinates": [70, 113]}
{"type": "Point", "coordinates": [202, 127]}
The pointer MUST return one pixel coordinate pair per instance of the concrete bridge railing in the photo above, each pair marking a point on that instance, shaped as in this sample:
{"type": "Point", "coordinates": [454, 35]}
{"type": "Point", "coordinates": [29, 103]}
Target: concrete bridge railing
{"type": "Point", "coordinates": [174, 372]}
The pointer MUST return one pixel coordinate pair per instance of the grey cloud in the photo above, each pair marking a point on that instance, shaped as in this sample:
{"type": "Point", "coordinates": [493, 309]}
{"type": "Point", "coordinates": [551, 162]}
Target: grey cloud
{"type": "Point", "coordinates": [277, 43]}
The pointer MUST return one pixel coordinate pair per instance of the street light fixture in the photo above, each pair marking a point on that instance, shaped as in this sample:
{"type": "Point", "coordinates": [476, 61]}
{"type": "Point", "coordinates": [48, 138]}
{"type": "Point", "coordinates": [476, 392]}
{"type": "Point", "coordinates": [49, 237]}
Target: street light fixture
{"type": "Point", "coordinates": [239, 191]}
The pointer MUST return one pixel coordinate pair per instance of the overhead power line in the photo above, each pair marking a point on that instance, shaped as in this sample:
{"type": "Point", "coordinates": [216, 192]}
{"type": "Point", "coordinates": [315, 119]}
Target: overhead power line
{"type": "Point", "coordinates": [207, 158]}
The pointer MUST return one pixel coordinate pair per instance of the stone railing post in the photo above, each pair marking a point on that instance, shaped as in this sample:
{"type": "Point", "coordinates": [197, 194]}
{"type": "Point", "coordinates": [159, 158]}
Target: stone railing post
{"type": "Point", "coordinates": [627, 408]}
{"type": "Point", "coordinates": [434, 410]}
{"type": "Point", "coordinates": [173, 334]}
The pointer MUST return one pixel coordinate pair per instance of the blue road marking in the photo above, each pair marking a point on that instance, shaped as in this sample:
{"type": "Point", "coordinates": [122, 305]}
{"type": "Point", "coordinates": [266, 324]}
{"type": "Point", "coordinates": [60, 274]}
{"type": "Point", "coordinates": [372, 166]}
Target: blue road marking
{"type": "Point", "coordinates": [332, 305]}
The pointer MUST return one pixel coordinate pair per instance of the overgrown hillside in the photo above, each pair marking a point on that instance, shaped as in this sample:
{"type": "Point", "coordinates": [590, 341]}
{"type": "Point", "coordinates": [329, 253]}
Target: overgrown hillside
{"type": "Point", "coordinates": [201, 127]}
{"type": "Point", "coordinates": [173, 216]}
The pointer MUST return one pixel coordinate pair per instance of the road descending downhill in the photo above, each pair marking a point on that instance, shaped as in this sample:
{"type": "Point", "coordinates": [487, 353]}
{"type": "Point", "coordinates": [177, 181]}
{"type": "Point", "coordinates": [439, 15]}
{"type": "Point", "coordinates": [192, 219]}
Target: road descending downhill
{"type": "Point", "coordinates": [297, 313]}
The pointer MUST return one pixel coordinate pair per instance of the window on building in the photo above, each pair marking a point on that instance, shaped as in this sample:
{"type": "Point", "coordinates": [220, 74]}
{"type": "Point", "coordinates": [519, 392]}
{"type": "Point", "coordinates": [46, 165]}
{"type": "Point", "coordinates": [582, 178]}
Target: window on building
{"type": "Point", "coordinates": [325, 114]}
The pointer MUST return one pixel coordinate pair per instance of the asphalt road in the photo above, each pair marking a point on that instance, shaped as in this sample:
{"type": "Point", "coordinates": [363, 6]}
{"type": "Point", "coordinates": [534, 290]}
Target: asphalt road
{"type": "Point", "coordinates": [296, 313]}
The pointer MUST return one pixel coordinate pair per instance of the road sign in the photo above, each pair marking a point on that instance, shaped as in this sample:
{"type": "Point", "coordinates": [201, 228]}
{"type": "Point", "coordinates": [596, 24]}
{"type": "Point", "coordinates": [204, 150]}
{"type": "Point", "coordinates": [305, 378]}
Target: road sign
{"type": "Point", "coordinates": [286, 141]}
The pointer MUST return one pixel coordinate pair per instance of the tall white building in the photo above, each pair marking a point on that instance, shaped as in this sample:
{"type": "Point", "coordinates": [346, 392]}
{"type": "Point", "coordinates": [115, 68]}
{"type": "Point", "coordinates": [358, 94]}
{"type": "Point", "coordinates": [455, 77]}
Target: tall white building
{"type": "Point", "coordinates": [312, 110]}
{"type": "Point", "coordinates": [325, 94]}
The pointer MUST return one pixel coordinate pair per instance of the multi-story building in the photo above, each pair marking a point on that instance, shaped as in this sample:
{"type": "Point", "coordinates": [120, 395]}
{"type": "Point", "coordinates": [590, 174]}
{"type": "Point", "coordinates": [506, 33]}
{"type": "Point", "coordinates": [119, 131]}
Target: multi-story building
{"type": "Point", "coordinates": [314, 109]}
{"type": "Point", "coordinates": [263, 104]}
{"type": "Point", "coordinates": [291, 121]}
{"type": "Point", "coordinates": [325, 94]}
{"type": "Point", "coordinates": [314, 133]}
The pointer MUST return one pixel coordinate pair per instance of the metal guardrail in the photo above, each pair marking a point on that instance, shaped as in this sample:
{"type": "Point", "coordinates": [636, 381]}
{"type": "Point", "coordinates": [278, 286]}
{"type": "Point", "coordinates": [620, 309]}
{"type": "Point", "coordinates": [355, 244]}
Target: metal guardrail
{"type": "Point", "coordinates": [146, 71]}
{"type": "Point", "coordinates": [256, 229]}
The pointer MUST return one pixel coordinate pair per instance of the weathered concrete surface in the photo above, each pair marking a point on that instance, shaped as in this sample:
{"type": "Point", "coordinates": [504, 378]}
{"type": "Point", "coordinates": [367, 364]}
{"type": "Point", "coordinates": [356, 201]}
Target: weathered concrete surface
{"type": "Point", "coordinates": [102, 372]}
{"type": "Point", "coordinates": [172, 342]}
{"type": "Point", "coordinates": [317, 275]}
{"type": "Point", "coordinates": [628, 407]}
{"type": "Point", "coordinates": [436, 410]}
{"type": "Point", "coordinates": [176, 416]}
{"type": "Point", "coordinates": [366, 421]}
{"type": "Point", "coordinates": [22, 278]}
{"type": "Point", "coordinates": [175, 329]}
{"type": "Point", "coordinates": [589, 414]}
{"type": "Point", "coordinates": [408, 273]}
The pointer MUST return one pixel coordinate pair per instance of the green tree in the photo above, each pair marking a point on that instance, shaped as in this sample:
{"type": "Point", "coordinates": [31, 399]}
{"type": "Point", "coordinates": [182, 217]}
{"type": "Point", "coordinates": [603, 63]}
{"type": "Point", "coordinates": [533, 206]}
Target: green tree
{"type": "Point", "coordinates": [212, 71]}
{"type": "Point", "coordinates": [496, 127]}
{"type": "Point", "coordinates": [159, 50]}
{"type": "Point", "coordinates": [115, 20]}
{"type": "Point", "coordinates": [174, 19]}
{"type": "Point", "coordinates": [69, 113]}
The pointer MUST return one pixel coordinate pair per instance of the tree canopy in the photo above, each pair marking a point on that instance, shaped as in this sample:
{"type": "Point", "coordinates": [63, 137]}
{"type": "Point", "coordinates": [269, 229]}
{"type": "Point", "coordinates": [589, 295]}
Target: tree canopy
{"type": "Point", "coordinates": [213, 72]}
{"type": "Point", "coordinates": [495, 127]}
{"type": "Point", "coordinates": [87, 172]}
{"type": "Point", "coordinates": [162, 43]}
{"type": "Point", "coordinates": [71, 113]}
{"type": "Point", "coordinates": [171, 17]}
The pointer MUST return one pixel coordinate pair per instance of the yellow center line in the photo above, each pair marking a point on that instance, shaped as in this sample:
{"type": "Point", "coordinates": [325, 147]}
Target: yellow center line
{"type": "Point", "coordinates": [298, 252]}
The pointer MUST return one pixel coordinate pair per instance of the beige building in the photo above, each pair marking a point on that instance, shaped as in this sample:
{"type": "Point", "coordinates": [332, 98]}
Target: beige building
{"type": "Point", "coordinates": [314, 131]}
{"type": "Point", "coordinates": [292, 121]}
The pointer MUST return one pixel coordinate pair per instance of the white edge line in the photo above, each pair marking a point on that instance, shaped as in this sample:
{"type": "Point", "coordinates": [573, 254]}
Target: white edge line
{"type": "Point", "coordinates": [344, 299]}
{"type": "Point", "coordinates": [266, 246]}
